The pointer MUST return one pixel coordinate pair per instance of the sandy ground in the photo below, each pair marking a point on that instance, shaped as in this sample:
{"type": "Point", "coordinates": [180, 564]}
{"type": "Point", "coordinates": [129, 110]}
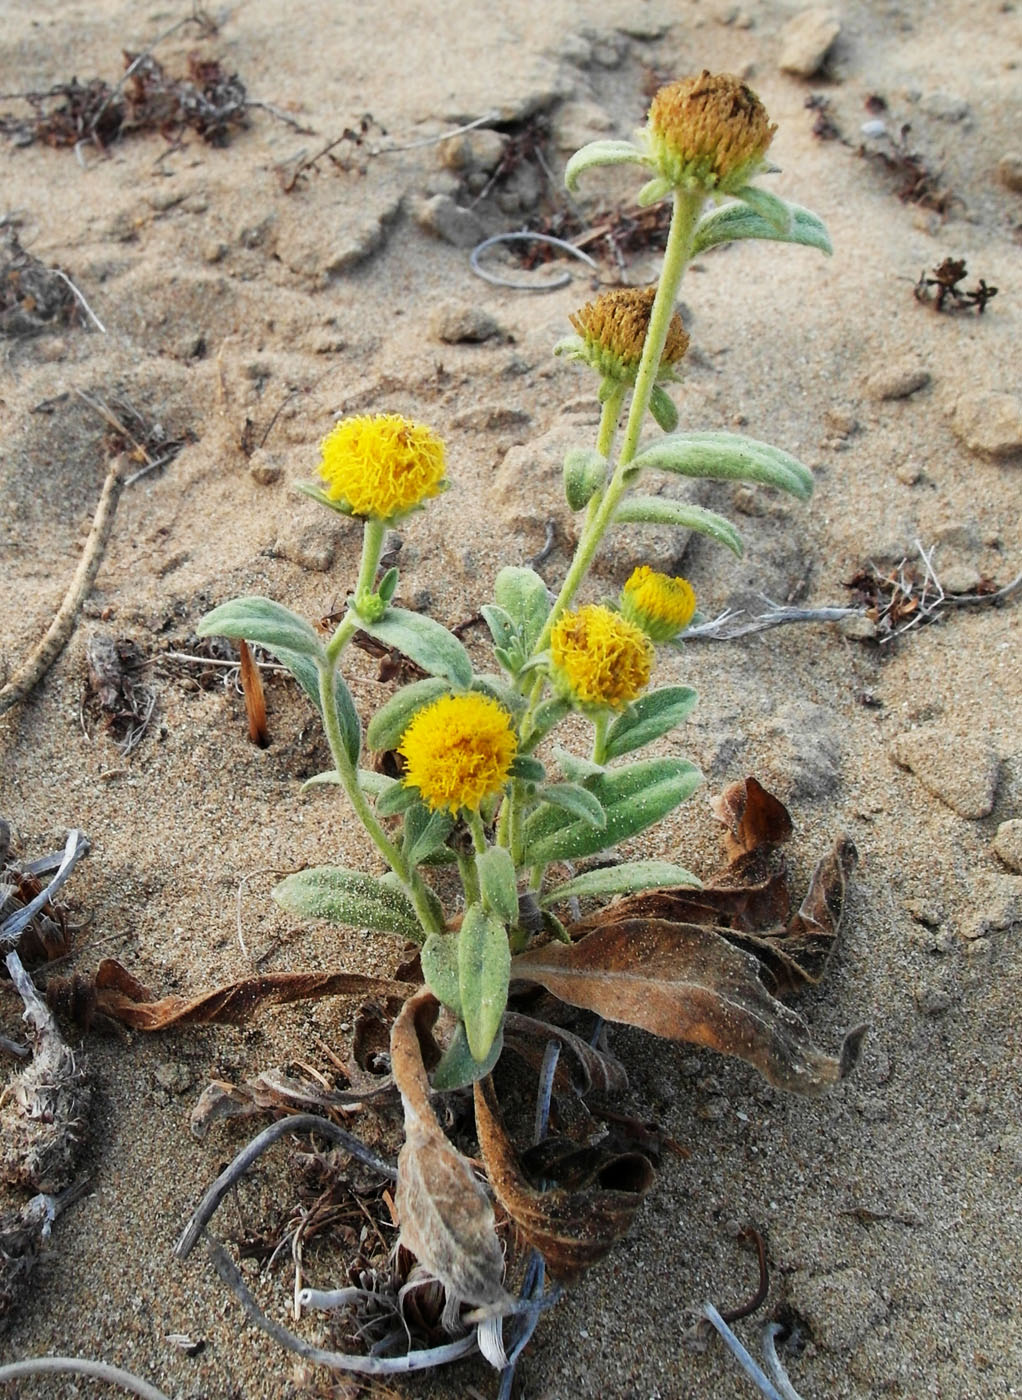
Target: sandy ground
{"type": "Point", "coordinates": [890, 1207]}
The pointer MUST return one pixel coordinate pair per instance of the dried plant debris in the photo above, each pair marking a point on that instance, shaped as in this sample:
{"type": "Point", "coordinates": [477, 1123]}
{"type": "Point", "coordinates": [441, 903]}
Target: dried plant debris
{"type": "Point", "coordinates": [917, 182]}
{"type": "Point", "coordinates": [23, 1233]}
{"type": "Point", "coordinates": [33, 297]}
{"type": "Point", "coordinates": [207, 100]}
{"type": "Point", "coordinates": [896, 600]}
{"type": "Point", "coordinates": [117, 689]}
{"type": "Point", "coordinates": [825, 128]}
{"type": "Point", "coordinates": [943, 291]}
{"type": "Point", "coordinates": [47, 935]}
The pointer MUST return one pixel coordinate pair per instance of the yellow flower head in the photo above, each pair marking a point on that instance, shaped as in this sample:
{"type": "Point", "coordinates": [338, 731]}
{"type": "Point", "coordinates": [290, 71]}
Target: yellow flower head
{"type": "Point", "coordinates": [600, 658]}
{"type": "Point", "coordinates": [661, 606]}
{"type": "Point", "coordinates": [381, 466]}
{"type": "Point", "coordinates": [708, 133]}
{"type": "Point", "coordinates": [613, 332]}
{"type": "Point", "coordinates": [458, 751]}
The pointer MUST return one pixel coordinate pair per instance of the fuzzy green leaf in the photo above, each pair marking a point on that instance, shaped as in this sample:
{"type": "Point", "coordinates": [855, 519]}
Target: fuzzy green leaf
{"type": "Point", "coordinates": [309, 488]}
{"type": "Point", "coordinates": [663, 409]}
{"type": "Point", "coordinates": [439, 957]}
{"type": "Point", "coordinates": [424, 832]}
{"type": "Point", "coordinates": [484, 968]}
{"type": "Point", "coordinates": [264, 622]}
{"type": "Point", "coordinates": [576, 769]}
{"type": "Point", "coordinates": [497, 688]}
{"type": "Point", "coordinates": [397, 799]}
{"type": "Point", "coordinates": [573, 798]}
{"type": "Point", "coordinates": [600, 153]}
{"type": "Point", "coordinates": [529, 769]}
{"type": "Point", "coordinates": [651, 715]}
{"type": "Point", "coordinates": [523, 596]}
{"type": "Point", "coordinates": [634, 798]}
{"type": "Point", "coordinates": [660, 510]}
{"type": "Point", "coordinates": [627, 878]}
{"type": "Point", "coordinates": [501, 625]}
{"type": "Point", "coordinates": [425, 642]}
{"type": "Point", "coordinates": [392, 719]}
{"type": "Point", "coordinates": [726, 457]}
{"type": "Point", "coordinates": [736, 221]}
{"type": "Point", "coordinates": [306, 673]}
{"type": "Point", "coordinates": [457, 1068]}
{"type": "Point", "coordinates": [498, 883]}
{"type": "Point", "coordinates": [770, 207]}
{"type": "Point", "coordinates": [348, 897]}
{"type": "Point", "coordinates": [585, 471]}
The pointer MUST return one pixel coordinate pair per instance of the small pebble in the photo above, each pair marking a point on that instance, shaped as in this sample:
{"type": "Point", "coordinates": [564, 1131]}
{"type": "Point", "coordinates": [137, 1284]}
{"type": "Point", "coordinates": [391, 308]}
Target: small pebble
{"type": "Point", "coordinates": [1009, 172]}
{"type": "Point", "coordinates": [962, 770]}
{"type": "Point", "coordinates": [959, 578]}
{"type": "Point", "coordinates": [858, 628]}
{"type": "Point", "coordinates": [265, 467]}
{"type": "Point", "coordinates": [806, 40]}
{"type": "Point", "coordinates": [932, 1001]}
{"type": "Point", "coordinates": [897, 380]}
{"type": "Point", "coordinates": [995, 903]}
{"type": "Point", "coordinates": [989, 422]}
{"type": "Point", "coordinates": [458, 322]}
{"type": "Point", "coordinates": [443, 217]}
{"type": "Point", "coordinates": [481, 150]}
{"type": "Point", "coordinates": [909, 473]}
{"type": "Point", "coordinates": [1007, 843]}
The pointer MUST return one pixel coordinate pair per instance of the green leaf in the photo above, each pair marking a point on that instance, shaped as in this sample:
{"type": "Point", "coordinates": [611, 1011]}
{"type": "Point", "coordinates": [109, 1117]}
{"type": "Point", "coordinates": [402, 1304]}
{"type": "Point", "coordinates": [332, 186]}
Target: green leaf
{"type": "Point", "coordinates": [653, 191]}
{"type": "Point", "coordinates": [348, 897]}
{"type": "Point", "coordinates": [425, 832]}
{"type": "Point", "coordinates": [502, 627]}
{"type": "Point", "coordinates": [626, 878]}
{"type": "Point", "coordinates": [663, 409]}
{"type": "Point", "coordinates": [306, 673]}
{"type": "Point", "coordinates": [457, 1069]}
{"type": "Point", "coordinates": [651, 715]}
{"type": "Point", "coordinates": [529, 769]}
{"type": "Point", "coordinates": [439, 957]}
{"type": "Point", "coordinates": [768, 206]}
{"type": "Point", "coordinates": [397, 799]}
{"type": "Point", "coordinates": [264, 622]}
{"type": "Point", "coordinates": [523, 596]}
{"type": "Point", "coordinates": [548, 713]}
{"type": "Point", "coordinates": [392, 719]}
{"type": "Point", "coordinates": [585, 471]}
{"type": "Point", "coordinates": [497, 688]}
{"type": "Point", "coordinates": [735, 221]}
{"type": "Point", "coordinates": [660, 510]}
{"type": "Point", "coordinates": [373, 783]}
{"type": "Point", "coordinates": [600, 153]}
{"type": "Point", "coordinates": [309, 488]}
{"type": "Point", "coordinates": [576, 769]}
{"type": "Point", "coordinates": [484, 967]}
{"type": "Point", "coordinates": [498, 883]}
{"type": "Point", "coordinates": [392, 882]}
{"type": "Point", "coordinates": [388, 585]}
{"type": "Point", "coordinates": [325, 779]}
{"type": "Point", "coordinates": [726, 457]}
{"type": "Point", "coordinates": [425, 642]}
{"type": "Point", "coordinates": [577, 800]}
{"type": "Point", "coordinates": [634, 798]}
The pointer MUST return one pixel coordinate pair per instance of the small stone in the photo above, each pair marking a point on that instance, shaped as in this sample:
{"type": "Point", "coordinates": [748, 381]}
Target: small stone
{"type": "Point", "coordinates": [923, 913]}
{"type": "Point", "coordinates": [174, 1077]}
{"type": "Point", "coordinates": [577, 123]}
{"type": "Point", "coordinates": [265, 467]}
{"type": "Point", "coordinates": [492, 418]}
{"type": "Point", "coordinates": [806, 40]}
{"type": "Point", "coordinates": [944, 107]}
{"type": "Point", "coordinates": [460, 322]}
{"type": "Point", "coordinates": [909, 472]}
{"type": "Point", "coordinates": [1008, 843]}
{"type": "Point", "coordinates": [840, 421]}
{"type": "Point", "coordinates": [255, 233]}
{"type": "Point", "coordinates": [897, 380]}
{"type": "Point", "coordinates": [960, 578]}
{"type": "Point", "coordinates": [989, 422]}
{"type": "Point", "coordinates": [932, 1001]}
{"type": "Point", "coordinates": [1009, 172]}
{"type": "Point", "coordinates": [961, 770]}
{"type": "Point", "coordinates": [443, 217]}
{"type": "Point", "coordinates": [840, 1307]}
{"type": "Point", "coordinates": [310, 546]}
{"type": "Point", "coordinates": [481, 149]}
{"type": "Point", "coordinates": [858, 628]}
{"type": "Point", "coordinates": [213, 250]}
{"type": "Point", "coordinates": [995, 901]}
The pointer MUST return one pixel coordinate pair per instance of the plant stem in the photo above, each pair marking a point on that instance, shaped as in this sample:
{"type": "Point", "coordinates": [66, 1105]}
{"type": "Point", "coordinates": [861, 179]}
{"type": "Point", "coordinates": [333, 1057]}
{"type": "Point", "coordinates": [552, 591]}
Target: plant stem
{"type": "Point", "coordinates": [676, 256]}
{"type": "Point", "coordinates": [601, 724]}
{"type": "Point", "coordinates": [372, 547]}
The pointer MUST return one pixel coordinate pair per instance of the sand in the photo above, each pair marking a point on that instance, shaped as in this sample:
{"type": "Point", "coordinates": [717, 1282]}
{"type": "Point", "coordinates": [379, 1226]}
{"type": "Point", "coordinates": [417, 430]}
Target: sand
{"type": "Point", "coordinates": [237, 314]}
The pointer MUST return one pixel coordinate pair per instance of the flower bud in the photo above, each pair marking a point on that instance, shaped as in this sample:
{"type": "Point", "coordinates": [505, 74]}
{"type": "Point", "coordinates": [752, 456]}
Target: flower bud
{"type": "Point", "coordinates": [658, 604]}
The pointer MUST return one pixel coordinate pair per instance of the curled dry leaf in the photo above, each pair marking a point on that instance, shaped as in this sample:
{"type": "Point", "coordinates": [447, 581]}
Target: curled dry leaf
{"type": "Point", "coordinates": [446, 1217]}
{"type": "Point", "coordinates": [685, 982]}
{"type": "Point", "coordinates": [44, 1118]}
{"type": "Point", "coordinates": [573, 1225]}
{"type": "Point", "coordinates": [272, 1090]}
{"type": "Point", "coordinates": [584, 1069]}
{"type": "Point", "coordinates": [121, 997]}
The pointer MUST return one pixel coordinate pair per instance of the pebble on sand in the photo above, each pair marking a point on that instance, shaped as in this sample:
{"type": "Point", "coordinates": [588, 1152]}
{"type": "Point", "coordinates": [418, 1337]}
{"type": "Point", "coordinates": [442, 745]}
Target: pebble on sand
{"type": "Point", "coordinates": [990, 423]}
{"type": "Point", "coordinates": [961, 770]}
{"type": "Point", "coordinates": [806, 40]}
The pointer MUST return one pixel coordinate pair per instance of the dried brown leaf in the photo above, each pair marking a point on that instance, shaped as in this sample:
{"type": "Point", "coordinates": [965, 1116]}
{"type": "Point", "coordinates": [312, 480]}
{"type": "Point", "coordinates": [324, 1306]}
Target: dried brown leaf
{"type": "Point", "coordinates": [573, 1226]}
{"type": "Point", "coordinates": [446, 1217]}
{"type": "Point", "coordinates": [584, 1069]}
{"type": "Point", "coordinates": [686, 982]}
{"type": "Point", "coordinates": [271, 1090]}
{"type": "Point", "coordinates": [753, 817]}
{"type": "Point", "coordinates": [123, 998]}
